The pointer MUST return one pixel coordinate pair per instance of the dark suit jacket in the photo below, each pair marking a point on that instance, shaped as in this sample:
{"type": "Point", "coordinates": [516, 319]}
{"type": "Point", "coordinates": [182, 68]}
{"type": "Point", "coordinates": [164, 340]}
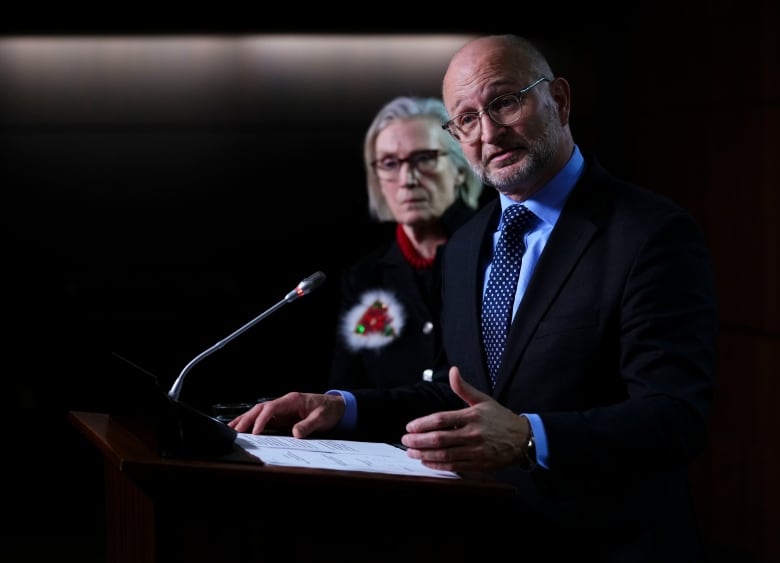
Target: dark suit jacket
{"type": "Point", "coordinates": [614, 346]}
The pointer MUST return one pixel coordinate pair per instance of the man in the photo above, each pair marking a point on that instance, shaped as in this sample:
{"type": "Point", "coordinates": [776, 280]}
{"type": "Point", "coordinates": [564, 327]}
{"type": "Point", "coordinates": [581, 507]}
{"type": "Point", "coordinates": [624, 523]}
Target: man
{"type": "Point", "coordinates": [602, 393]}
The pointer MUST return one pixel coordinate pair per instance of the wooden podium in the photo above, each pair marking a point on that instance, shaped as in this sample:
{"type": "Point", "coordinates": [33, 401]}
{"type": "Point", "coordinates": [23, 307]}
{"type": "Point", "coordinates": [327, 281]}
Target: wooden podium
{"type": "Point", "coordinates": [162, 509]}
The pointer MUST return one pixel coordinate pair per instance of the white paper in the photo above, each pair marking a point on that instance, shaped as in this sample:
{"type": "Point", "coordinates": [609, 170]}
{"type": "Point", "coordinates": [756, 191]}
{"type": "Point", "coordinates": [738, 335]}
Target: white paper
{"type": "Point", "coordinates": [342, 455]}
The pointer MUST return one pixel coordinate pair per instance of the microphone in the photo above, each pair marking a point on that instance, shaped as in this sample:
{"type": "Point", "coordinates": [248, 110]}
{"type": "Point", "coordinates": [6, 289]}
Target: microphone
{"type": "Point", "coordinates": [305, 287]}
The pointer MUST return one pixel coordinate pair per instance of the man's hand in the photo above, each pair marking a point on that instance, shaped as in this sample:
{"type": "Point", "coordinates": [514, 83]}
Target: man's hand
{"type": "Point", "coordinates": [298, 413]}
{"type": "Point", "coordinates": [483, 436]}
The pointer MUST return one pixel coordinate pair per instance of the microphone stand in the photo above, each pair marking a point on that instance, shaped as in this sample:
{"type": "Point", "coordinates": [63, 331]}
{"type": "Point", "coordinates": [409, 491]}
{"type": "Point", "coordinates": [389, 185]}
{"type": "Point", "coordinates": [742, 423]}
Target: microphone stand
{"type": "Point", "coordinates": [188, 432]}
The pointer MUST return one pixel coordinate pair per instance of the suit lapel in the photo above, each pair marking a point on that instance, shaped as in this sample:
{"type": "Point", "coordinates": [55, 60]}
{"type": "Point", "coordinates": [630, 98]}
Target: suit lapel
{"type": "Point", "coordinates": [571, 236]}
{"type": "Point", "coordinates": [466, 264]}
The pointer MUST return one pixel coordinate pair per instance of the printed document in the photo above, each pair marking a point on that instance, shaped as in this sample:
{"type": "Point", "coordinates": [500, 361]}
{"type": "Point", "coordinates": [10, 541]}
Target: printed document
{"type": "Point", "coordinates": [343, 455]}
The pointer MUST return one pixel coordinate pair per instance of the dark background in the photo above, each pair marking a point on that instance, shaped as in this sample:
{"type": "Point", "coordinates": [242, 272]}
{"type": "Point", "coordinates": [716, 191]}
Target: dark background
{"type": "Point", "coordinates": [165, 180]}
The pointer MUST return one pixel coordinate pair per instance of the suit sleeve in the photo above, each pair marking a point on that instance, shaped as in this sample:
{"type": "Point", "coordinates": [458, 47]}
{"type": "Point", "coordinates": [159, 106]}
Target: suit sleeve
{"type": "Point", "coordinates": [667, 330]}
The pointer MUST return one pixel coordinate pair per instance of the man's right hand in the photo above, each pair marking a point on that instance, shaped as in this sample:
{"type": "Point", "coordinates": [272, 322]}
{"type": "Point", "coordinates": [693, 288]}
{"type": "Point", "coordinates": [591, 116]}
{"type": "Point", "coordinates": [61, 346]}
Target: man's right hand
{"type": "Point", "coordinates": [301, 414]}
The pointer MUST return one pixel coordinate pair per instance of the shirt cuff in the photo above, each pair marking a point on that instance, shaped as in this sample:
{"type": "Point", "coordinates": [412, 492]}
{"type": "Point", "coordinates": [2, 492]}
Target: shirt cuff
{"type": "Point", "coordinates": [349, 418]}
{"type": "Point", "coordinates": [540, 439]}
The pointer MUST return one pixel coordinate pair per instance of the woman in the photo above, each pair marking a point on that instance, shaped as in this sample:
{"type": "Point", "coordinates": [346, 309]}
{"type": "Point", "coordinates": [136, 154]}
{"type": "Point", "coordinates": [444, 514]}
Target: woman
{"type": "Point", "coordinates": [417, 178]}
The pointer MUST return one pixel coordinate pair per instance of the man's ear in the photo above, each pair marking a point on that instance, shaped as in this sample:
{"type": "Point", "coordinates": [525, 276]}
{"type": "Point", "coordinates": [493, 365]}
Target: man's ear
{"type": "Point", "coordinates": [561, 93]}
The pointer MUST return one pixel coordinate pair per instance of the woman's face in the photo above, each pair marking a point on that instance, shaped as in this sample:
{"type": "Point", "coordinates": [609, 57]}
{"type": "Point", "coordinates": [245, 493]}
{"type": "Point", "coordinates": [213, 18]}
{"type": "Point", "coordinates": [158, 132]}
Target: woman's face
{"type": "Point", "coordinates": [422, 188]}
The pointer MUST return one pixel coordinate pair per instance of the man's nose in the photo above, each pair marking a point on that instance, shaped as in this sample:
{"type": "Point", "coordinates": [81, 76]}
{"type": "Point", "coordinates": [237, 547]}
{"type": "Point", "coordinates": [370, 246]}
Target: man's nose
{"type": "Point", "coordinates": [488, 127]}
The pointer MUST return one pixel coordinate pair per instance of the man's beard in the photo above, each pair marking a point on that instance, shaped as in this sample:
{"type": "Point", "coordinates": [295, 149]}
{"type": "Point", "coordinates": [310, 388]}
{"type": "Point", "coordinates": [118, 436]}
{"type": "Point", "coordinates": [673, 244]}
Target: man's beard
{"type": "Point", "coordinates": [541, 151]}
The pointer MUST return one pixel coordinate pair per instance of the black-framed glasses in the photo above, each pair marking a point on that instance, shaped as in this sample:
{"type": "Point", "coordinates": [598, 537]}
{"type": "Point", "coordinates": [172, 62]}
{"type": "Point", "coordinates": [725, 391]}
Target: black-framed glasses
{"type": "Point", "coordinates": [504, 110]}
{"type": "Point", "coordinates": [424, 161]}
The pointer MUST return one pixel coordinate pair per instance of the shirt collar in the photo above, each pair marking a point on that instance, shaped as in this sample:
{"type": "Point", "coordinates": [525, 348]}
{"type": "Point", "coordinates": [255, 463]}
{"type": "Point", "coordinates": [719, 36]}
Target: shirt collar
{"type": "Point", "coordinates": [547, 203]}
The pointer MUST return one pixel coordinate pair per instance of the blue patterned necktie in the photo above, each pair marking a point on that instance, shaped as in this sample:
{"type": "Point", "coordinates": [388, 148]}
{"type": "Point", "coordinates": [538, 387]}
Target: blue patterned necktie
{"type": "Point", "coordinates": [502, 285]}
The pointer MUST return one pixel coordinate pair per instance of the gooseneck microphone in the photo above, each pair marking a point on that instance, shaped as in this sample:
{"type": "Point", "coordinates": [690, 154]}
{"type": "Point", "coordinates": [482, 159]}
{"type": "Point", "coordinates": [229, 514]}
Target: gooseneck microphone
{"type": "Point", "coordinates": [304, 288]}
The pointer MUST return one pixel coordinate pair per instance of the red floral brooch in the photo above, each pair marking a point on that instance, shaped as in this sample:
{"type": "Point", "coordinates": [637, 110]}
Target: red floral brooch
{"type": "Point", "coordinates": [374, 322]}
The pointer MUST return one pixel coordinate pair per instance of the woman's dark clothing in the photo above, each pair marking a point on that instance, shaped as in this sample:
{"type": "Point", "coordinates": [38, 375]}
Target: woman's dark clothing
{"type": "Point", "coordinates": [388, 329]}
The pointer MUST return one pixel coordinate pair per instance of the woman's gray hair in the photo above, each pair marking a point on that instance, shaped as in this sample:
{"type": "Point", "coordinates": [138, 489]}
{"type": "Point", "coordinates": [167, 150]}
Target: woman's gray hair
{"type": "Point", "coordinates": [408, 107]}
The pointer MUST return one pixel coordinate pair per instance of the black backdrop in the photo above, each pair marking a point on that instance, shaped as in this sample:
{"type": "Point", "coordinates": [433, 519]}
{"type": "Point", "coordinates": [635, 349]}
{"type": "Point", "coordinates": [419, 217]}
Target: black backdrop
{"type": "Point", "coordinates": [138, 227]}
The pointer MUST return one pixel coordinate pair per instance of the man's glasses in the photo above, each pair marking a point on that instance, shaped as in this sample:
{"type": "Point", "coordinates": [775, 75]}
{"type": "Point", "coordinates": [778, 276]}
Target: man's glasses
{"type": "Point", "coordinates": [504, 110]}
{"type": "Point", "coordinates": [424, 161]}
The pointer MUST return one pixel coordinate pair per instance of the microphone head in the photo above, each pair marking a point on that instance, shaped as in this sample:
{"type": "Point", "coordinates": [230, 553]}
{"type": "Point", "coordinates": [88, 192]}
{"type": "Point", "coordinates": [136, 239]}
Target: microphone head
{"type": "Point", "coordinates": [312, 282]}
{"type": "Point", "coordinates": [306, 286]}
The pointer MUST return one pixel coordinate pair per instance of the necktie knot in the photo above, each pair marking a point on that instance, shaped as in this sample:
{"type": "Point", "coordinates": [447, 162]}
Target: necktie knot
{"type": "Point", "coordinates": [516, 218]}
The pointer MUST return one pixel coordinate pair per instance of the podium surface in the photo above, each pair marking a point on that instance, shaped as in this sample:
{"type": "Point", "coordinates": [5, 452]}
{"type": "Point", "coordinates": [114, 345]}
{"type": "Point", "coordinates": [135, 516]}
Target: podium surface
{"type": "Point", "coordinates": [161, 509]}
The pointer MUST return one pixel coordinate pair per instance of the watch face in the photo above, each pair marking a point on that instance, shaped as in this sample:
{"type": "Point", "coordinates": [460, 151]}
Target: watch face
{"type": "Point", "coordinates": [529, 461]}
{"type": "Point", "coordinates": [529, 458]}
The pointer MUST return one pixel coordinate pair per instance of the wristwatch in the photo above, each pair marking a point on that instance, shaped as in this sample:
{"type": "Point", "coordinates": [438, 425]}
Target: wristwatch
{"type": "Point", "coordinates": [529, 456]}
